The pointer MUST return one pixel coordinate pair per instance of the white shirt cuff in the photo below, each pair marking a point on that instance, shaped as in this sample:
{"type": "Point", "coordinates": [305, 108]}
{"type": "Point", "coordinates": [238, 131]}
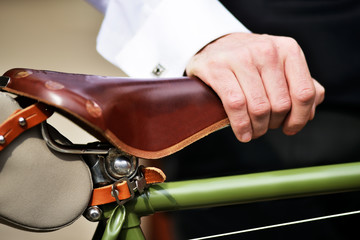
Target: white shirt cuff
{"type": "Point", "coordinates": [167, 34]}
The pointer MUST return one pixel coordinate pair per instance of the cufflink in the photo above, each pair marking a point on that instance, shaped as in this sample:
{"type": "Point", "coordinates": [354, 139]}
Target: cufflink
{"type": "Point", "coordinates": [158, 70]}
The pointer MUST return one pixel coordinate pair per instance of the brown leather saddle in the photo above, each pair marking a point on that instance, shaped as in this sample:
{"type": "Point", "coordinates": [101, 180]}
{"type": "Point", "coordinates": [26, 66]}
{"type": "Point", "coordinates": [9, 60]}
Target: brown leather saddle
{"type": "Point", "coordinates": [148, 118]}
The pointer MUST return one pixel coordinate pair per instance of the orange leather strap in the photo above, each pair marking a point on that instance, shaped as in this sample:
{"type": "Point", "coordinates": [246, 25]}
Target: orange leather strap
{"type": "Point", "coordinates": [153, 175]}
{"type": "Point", "coordinates": [21, 120]}
{"type": "Point", "coordinates": [103, 195]}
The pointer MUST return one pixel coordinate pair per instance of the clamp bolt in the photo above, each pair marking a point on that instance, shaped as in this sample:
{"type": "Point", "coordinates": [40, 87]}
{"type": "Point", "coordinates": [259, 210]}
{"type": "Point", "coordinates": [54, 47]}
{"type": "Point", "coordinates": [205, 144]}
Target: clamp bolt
{"type": "Point", "coordinates": [22, 121]}
{"type": "Point", "coordinates": [93, 213]}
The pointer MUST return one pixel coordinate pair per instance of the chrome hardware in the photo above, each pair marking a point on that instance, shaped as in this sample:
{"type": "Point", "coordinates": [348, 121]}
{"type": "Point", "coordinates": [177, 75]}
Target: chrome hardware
{"type": "Point", "coordinates": [107, 165]}
{"type": "Point", "coordinates": [140, 183]}
{"type": "Point", "coordinates": [70, 149]}
{"type": "Point", "coordinates": [158, 70]}
{"type": "Point", "coordinates": [93, 213]}
{"type": "Point", "coordinates": [99, 175]}
{"type": "Point", "coordinates": [22, 122]}
{"type": "Point", "coordinates": [2, 140]}
{"type": "Point", "coordinates": [119, 164]}
{"type": "Point", "coordinates": [115, 192]}
{"type": "Point", "coordinates": [136, 184]}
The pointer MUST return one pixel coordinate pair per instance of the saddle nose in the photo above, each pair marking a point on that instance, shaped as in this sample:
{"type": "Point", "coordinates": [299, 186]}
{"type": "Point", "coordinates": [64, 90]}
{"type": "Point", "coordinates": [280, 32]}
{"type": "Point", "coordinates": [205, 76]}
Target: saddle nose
{"type": "Point", "coordinates": [4, 81]}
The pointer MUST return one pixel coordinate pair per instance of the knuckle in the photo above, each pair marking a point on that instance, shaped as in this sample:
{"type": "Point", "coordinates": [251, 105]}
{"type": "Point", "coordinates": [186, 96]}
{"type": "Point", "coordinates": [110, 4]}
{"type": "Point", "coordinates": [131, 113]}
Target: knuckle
{"type": "Point", "coordinates": [214, 63]}
{"type": "Point", "coordinates": [291, 45]}
{"type": "Point", "coordinates": [282, 106]}
{"type": "Point", "coordinates": [265, 52]}
{"type": "Point", "coordinates": [218, 63]}
{"type": "Point", "coordinates": [305, 95]}
{"type": "Point", "coordinates": [268, 48]}
{"type": "Point", "coordinates": [245, 56]}
{"type": "Point", "coordinates": [269, 56]}
{"type": "Point", "coordinates": [242, 124]}
{"type": "Point", "coordinates": [291, 42]}
{"type": "Point", "coordinates": [260, 109]}
{"type": "Point", "coordinates": [235, 102]}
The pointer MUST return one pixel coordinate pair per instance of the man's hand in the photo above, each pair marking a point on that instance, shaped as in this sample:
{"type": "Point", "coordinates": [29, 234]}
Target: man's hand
{"type": "Point", "coordinates": [263, 82]}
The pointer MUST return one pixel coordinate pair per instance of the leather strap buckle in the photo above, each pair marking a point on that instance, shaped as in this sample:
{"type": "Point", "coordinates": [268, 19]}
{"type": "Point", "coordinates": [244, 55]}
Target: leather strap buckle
{"type": "Point", "coordinates": [124, 189]}
{"type": "Point", "coordinates": [138, 183]}
{"type": "Point", "coordinates": [115, 191]}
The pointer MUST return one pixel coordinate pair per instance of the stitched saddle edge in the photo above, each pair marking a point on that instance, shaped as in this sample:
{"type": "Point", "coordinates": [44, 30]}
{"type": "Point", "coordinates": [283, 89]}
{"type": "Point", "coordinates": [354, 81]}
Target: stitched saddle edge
{"type": "Point", "coordinates": [108, 135]}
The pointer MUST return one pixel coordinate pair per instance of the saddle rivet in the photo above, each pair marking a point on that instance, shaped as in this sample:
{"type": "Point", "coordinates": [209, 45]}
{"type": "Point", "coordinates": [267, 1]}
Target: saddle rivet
{"type": "Point", "coordinates": [2, 140]}
{"type": "Point", "coordinates": [93, 109]}
{"type": "Point", "coordinates": [22, 121]}
{"type": "Point", "coordinates": [23, 74]}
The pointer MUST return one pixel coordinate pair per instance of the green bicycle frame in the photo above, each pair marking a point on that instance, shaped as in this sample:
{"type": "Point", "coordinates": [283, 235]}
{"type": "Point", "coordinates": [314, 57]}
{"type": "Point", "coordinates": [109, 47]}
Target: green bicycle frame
{"type": "Point", "coordinates": [228, 190]}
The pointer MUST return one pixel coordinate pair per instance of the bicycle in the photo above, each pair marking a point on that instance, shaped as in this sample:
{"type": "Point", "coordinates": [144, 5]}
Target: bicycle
{"type": "Point", "coordinates": [134, 119]}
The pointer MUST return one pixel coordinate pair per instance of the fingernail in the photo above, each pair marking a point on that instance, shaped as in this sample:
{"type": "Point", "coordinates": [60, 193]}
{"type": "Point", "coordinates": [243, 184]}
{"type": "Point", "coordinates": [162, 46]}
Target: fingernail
{"type": "Point", "coordinates": [312, 114]}
{"type": "Point", "coordinates": [246, 137]}
{"type": "Point", "coordinates": [290, 133]}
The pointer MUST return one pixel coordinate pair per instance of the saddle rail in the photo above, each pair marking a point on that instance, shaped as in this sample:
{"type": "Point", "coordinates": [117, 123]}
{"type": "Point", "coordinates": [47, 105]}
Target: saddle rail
{"type": "Point", "coordinates": [147, 118]}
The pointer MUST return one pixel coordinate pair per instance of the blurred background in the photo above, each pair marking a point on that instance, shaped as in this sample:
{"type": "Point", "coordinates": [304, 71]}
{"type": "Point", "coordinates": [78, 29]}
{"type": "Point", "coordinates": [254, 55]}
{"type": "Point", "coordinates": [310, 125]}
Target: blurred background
{"type": "Point", "coordinates": [60, 36]}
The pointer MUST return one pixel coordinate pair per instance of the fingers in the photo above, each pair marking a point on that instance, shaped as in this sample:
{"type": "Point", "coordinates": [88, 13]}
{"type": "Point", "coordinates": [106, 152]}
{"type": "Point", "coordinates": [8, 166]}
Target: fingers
{"type": "Point", "coordinates": [225, 84]}
{"type": "Point", "coordinates": [243, 96]}
{"type": "Point", "coordinates": [319, 98]}
{"type": "Point", "coordinates": [301, 88]}
{"type": "Point", "coordinates": [272, 74]}
{"type": "Point", "coordinates": [257, 102]}
{"type": "Point", "coordinates": [263, 82]}
{"type": "Point", "coordinates": [234, 102]}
